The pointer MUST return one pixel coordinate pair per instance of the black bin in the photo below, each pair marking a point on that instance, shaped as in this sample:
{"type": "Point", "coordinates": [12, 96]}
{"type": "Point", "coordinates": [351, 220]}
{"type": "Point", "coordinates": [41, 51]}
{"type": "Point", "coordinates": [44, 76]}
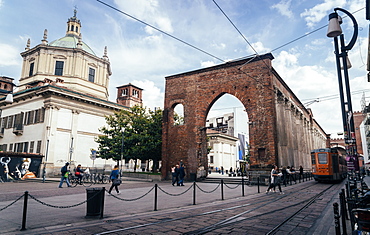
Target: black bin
{"type": "Point", "coordinates": [95, 198]}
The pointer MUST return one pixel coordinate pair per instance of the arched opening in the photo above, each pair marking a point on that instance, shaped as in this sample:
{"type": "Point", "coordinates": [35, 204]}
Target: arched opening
{"type": "Point", "coordinates": [178, 115]}
{"type": "Point", "coordinates": [227, 136]}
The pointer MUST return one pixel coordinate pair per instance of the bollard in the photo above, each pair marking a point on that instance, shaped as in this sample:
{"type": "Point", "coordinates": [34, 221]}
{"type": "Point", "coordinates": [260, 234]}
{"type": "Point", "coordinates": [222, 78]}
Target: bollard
{"type": "Point", "coordinates": [102, 202]}
{"type": "Point", "coordinates": [194, 193]}
{"type": "Point", "coordinates": [243, 185]}
{"type": "Point", "coordinates": [336, 219]}
{"type": "Point", "coordinates": [343, 212]}
{"type": "Point", "coordinates": [258, 184]}
{"type": "Point", "coordinates": [222, 189]}
{"type": "Point", "coordinates": [25, 202]}
{"type": "Point", "coordinates": [155, 196]}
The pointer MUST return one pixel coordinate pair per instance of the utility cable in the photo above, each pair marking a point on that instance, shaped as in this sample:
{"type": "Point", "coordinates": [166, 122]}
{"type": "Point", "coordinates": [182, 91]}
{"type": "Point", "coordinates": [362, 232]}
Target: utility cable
{"type": "Point", "coordinates": [153, 27]}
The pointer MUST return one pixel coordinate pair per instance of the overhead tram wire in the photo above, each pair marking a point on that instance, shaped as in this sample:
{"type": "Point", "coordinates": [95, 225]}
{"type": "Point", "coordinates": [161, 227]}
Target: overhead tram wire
{"type": "Point", "coordinates": [257, 55]}
{"type": "Point", "coordinates": [153, 27]}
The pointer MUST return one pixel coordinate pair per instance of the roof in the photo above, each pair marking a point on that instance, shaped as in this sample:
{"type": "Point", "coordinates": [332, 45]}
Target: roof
{"type": "Point", "coordinates": [71, 41]}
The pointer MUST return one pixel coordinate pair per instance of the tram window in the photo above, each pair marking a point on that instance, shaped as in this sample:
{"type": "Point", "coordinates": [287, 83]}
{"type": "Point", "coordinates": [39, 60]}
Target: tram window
{"type": "Point", "coordinates": [323, 158]}
{"type": "Point", "coordinates": [313, 159]}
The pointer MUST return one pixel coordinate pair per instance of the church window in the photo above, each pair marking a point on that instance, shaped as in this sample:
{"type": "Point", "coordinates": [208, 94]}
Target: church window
{"type": "Point", "coordinates": [72, 28]}
{"type": "Point", "coordinates": [10, 147]}
{"type": "Point", "coordinates": [59, 68]}
{"type": "Point", "coordinates": [124, 92]}
{"type": "Point", "coordinates": [91, 75]}
{"type": "Point", "coordinates": [5, 86]}
{"type": "Point", "coordinates": [135, 93]}
{"type": "Point", "coordinates": [76, 29]}
{"type": "Point", "coordinates": [31, 69]}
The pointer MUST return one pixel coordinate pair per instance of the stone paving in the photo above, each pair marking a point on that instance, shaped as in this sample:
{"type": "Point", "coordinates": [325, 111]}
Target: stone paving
{"type": "Point", "coordinates": [42, 218]}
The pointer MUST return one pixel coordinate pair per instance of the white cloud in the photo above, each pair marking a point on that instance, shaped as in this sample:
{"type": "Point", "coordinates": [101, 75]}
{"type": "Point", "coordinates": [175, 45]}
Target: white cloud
{"type": "Point", "coordinates": [1, 3]}
{"type": "Point", "coordinates": [147, 11]}
{"type": "Point", "coordinates": [9, 55]}
{"type": "Point", "coordinates": [152, 95]}
{"type": "Point", "coordinates": [320, 11]}
{"type": "Point", "coordinates": [205, 64]}
{"type": "Point", "coordinates": [283, 8]}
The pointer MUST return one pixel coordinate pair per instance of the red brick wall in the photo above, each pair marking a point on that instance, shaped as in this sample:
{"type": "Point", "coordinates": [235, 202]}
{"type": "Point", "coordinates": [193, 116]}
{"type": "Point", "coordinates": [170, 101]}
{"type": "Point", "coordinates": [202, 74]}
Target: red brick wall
{"type": "Point", "coordinates": [249, 81]}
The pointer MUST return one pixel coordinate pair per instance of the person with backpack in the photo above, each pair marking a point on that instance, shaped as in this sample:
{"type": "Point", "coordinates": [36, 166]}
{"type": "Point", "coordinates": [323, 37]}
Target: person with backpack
{"type": "Point", "coordinates": [65, 172]}
{"type": "Point", "coordinates": [116, 181]}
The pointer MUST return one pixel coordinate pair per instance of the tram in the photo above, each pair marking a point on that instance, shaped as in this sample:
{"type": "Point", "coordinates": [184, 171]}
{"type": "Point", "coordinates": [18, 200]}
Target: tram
{"type": "Point", "coordinates": [328, 165]}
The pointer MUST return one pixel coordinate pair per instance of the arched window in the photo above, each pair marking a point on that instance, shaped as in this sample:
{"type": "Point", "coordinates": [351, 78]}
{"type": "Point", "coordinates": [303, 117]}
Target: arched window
{"type": "Point", "coordinates": [178, 115]}
{"type": "Point", "coordinates": [72, 28]}
{"type": "Point", "coordinates": [124, 92]}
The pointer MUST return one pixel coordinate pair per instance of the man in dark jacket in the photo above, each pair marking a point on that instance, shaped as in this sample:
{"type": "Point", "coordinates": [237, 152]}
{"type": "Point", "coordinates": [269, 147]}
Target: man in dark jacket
{"type": "Point", "coordinates": [181, 173]}
{"type": "Point", "coordinates": [64, 170]}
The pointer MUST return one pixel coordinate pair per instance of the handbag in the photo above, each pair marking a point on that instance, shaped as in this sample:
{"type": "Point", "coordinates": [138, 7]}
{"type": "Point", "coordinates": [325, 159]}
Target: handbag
{"type": "Point", "coordinates": [117, 181]}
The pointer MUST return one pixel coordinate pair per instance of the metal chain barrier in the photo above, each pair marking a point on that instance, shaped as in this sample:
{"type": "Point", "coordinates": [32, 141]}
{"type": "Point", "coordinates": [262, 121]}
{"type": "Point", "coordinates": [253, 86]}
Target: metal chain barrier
{"type": "Point", "coordinates": [172, 194]}
{"type": "Point", "coordinates": [232, 187]}
{"type": "Point", "coordinates": [134, 199]}
{"type": "Point", "coordinates": [62, 207]}
{"type": "Point", "coordinates": [209, 191]}
{"type": "Point", "coordinates": [12, 203]}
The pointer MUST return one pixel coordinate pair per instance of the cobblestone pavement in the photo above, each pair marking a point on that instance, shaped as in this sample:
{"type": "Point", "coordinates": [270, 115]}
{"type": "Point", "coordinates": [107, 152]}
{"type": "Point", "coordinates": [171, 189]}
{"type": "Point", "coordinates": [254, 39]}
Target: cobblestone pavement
{"type": "Point", "coordinates": [175, 215]}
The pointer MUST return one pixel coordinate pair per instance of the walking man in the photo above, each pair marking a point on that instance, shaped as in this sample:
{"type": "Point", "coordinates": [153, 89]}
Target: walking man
{"type": "Point", "coordinates": [64, 170]}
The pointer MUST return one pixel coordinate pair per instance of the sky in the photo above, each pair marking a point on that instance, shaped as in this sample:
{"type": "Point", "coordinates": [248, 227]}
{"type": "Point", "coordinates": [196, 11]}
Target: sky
{"type": "Point", "coordinates": [292, 30]}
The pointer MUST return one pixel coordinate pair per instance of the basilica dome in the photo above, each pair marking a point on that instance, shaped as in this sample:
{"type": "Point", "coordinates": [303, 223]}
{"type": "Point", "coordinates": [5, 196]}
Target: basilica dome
{"type": "Point", "coordinates": [70, 41]}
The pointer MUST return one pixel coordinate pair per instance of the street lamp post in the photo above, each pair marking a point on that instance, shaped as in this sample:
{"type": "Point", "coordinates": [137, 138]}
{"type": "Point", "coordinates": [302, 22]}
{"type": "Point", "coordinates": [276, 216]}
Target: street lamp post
{"type": "Point", "coordinates": [123, 135]}
{"type": "Point", "coordinates": [334, 30]}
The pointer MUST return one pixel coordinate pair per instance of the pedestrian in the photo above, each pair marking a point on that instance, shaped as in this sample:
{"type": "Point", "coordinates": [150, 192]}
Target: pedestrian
{"type": "Point", "coordinates": [300, 172]}
{"type": "Point", "coordinates": [175, 177]}
{"type": "Point", "coordinates": [116, 181]}
{"type": "Point", "coordinates": [222, 170]}
{"type": "Point", "coordinates": [277, 179]}
{"type": "Point", "coordinates": [284, 176]}
{"type": "Point", "coordinates": [272, 185]}
{"type": "Point", "coordinates": [289, 175]}
{"type": "Point", "coordinates": [181, 173]}
{"type": "Point", "coordinates": [65, 172]}
{"type": "Point", "coordinates": [293, 174]}
{"type": "Point", "coordinates": [79, 173]}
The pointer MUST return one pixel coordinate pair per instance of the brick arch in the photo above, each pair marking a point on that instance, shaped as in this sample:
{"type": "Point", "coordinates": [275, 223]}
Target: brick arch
{"type": "Point", "coordinates": [250, 81]}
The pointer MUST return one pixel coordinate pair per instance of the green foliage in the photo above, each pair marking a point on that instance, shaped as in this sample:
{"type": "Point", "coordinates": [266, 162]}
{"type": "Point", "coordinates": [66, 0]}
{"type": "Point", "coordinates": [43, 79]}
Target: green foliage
{"type": "Point", "coordinates": [142, 136]}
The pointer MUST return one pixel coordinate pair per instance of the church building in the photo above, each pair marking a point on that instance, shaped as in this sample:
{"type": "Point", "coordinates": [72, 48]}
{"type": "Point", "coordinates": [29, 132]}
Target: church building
{"type": "Point", "coordinates": [59, 105]}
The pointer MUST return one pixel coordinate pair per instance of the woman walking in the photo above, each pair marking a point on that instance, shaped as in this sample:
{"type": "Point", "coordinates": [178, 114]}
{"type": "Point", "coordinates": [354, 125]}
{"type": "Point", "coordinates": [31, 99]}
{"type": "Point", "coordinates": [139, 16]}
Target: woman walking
{"type": "Point", "coordinates": [116, 181]}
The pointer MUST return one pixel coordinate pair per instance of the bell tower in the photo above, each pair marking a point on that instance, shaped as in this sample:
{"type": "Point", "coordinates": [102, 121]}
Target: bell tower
{"type": "Point", "coordinates": [129, 95]}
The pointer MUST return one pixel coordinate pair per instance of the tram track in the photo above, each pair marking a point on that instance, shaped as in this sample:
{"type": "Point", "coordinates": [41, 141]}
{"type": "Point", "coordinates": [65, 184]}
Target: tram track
{"type": "Point", "coordinates": [244, 212]}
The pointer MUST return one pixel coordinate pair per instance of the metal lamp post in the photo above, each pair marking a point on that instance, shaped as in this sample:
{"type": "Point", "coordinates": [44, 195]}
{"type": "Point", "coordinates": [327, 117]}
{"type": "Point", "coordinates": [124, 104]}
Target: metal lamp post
{"type": "Point", "coordinates": [334, 30]}
{"type": "Point", "coordinates": [123, 135]}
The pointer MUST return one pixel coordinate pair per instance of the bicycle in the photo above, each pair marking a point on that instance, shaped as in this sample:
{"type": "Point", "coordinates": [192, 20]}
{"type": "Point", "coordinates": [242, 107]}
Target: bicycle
{"type": "Point", "coordinates": [85, 181]}
{"type": "Point", "coordinates": [100, 179]}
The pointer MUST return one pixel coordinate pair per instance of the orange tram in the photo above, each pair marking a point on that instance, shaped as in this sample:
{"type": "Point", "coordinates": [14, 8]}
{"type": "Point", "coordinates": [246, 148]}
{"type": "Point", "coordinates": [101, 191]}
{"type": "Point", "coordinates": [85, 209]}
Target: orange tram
{"type": "Point", "coordinates": [328, 165]}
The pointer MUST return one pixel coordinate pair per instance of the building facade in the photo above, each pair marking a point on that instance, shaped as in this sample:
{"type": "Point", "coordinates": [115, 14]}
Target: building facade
{"type": "Point", "coordinates": [61, 102]}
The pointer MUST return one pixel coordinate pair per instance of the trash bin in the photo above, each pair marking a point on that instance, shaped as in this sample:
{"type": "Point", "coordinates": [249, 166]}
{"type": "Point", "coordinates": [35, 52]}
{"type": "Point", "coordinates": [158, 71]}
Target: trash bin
{"type": "Point", "coordinates": [95, 197]}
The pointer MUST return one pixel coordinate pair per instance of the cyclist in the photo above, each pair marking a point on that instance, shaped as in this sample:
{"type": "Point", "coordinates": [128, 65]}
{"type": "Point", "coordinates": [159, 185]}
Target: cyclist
{"type": "Point", "coordinates": [79, 173]}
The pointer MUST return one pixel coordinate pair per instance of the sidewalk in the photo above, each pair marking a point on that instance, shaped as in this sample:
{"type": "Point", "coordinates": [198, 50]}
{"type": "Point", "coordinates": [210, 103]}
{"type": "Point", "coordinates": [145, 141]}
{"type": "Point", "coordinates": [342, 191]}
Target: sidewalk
{"type": "Point", "coordinates": [136, 198]}
{"type": "Point", "coordinates": [59, 211]}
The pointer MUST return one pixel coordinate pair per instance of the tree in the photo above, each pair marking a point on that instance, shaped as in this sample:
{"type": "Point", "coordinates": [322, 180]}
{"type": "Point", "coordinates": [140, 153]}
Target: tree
{"type": "Point", "coordinates": [142, 136]}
